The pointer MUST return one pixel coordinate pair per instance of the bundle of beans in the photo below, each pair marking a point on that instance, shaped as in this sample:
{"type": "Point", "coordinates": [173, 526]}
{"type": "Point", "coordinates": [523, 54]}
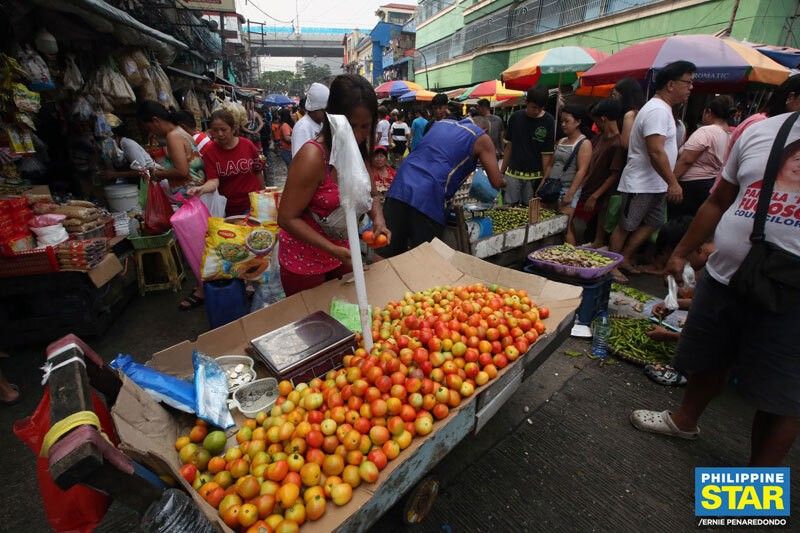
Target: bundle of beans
{"type": "Point", "coordinates": [81, 255]}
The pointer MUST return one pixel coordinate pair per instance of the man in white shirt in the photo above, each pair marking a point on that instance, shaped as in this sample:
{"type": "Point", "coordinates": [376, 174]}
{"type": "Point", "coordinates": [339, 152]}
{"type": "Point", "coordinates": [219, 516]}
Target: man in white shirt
{"type": "Point", "coordinates": [648, 180]}
{"type": "Point", "coordinates": [309, 126]}
{"type": "Point", "coordinates": [382, 129]}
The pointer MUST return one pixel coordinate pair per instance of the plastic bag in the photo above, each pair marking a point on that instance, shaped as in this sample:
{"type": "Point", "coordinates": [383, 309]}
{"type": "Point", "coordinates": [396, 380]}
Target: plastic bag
{"type": "Point", "coordinates": [211, 391]}
{"type": "Point", "coordinates": [157, 211]}
{"type": "Point", "coordinates": [163, 87]}
{"type": "Point", "coordinates": [130, 69]}
{"type": "Point", "coordinates": [116, 87]}
{"type": "Point", "coordinates": [215, 203]}
{"type": "Point", "coordinates": [236, 251]}
{"type": "Point", "coordinates": [25, 100]}
{"type": "Point", "coordinates": [37, 68]}
{"type": "Point", "coordinates": [190, 223]}
{"type": "Point", "coordinates": [82, 109]}
{"type": "Point", "coordinates": [481, 189]}
{"type": "Point", "coordinates": [689, 279]}
{"type": "Point", "coordinates": [79, 508]}
{"type": "Point", "coordinates": [191, 104]}
{"type": "Point", "coordinates": [73, 79]}
{"type": "Point", "coordinates": [163, 387]}
{"type": "Point", "coordinates": [355, 185]}
{"type": "Point", "coordinates": [671, 301]}
{"type": "Point", "coordinates": [271, 291]}
{"type": "Point", "coordinates": [264, 205]}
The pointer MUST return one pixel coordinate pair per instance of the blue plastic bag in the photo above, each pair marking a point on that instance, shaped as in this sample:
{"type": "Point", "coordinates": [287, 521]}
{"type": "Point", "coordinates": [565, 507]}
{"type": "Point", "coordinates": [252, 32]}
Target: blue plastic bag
{"type": "Point", "coordinates": [211, 391]}
{"type": "Point", "coordinates": [481, 189]}
{"type": "Point", "coordinates": [163, 387]}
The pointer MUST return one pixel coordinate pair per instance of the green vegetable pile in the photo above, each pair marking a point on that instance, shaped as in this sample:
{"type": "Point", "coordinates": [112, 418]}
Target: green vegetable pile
{"type": "Point", "coordinates": [631, 292]}
{"type": "Point", "coordinates": [628, 340]}
{"type": "Point", "coordinates": [547, 214]}
{"type": "Point", "coordinates": [508, 218]}
{"type": "Point", "coordinates": [567, 254]}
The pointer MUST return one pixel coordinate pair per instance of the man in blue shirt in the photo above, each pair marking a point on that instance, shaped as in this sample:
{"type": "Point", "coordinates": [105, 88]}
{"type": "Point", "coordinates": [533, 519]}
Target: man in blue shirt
{"type": "Point", "coordinates": [417, 128]}
{"type": "Point", "coordinates": [430, 176]}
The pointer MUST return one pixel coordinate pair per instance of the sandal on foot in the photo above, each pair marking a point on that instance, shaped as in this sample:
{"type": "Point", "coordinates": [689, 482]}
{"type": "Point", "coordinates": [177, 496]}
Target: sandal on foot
{"type": "Point", "coordinates": [15, 401]}
{"type": "Point", "coordinates": [619, 277]}
{"type": "Point", "coordinates": [190, 302]}
{"type": "Point", "coordinates": [665, 375]}
{"type": "Point", "coordinates": [661, 423]}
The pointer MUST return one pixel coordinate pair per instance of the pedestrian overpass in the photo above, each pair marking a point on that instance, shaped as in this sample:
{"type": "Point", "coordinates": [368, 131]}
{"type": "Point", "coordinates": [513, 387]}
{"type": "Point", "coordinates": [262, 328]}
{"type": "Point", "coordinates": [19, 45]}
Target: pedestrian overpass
{"type": "Point", "coordinates": [284, 41]}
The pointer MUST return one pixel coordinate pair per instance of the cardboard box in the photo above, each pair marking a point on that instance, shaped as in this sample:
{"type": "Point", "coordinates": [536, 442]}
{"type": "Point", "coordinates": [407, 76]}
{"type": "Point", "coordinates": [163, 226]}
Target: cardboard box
{"type": "Point", "coordinates": [148, 429]}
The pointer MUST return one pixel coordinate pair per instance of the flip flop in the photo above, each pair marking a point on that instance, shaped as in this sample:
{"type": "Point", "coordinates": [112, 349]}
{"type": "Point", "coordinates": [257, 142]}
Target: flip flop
{"type": "Point", "coordinates": [191, 302]}
{"type": "Point", "coordinates": [665, 375]}
{"type": "Point", "coordinates": [15, 401]}
{"type": "Point", "coordinates": [619, 277]}
{"type": "Point", "coordinates": [661, 423]}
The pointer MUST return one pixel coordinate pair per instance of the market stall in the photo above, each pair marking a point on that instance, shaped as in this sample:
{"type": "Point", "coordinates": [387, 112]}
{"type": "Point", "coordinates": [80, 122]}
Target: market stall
{"type": "Point", "coordinates": [151, 433]}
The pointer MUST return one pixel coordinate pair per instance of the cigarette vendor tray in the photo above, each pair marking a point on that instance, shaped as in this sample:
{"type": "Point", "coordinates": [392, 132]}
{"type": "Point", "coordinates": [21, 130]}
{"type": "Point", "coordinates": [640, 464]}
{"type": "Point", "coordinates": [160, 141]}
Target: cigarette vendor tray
{"type": "Point", "coordinates": [305, 349]}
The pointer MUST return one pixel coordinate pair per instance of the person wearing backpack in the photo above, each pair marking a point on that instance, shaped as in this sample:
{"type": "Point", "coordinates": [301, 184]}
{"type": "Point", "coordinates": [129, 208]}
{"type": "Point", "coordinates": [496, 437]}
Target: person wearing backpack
{"type": "Point", "coordinates": [570, 165]}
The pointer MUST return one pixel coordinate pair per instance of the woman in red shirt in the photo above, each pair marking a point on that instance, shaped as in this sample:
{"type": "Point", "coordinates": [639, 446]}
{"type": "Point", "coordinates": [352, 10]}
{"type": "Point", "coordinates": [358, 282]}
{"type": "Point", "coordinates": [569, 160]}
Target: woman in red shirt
{"type": "Point", "coordinates": [233, 164]}
{"type": "Point", "coordinates": [308, 256]}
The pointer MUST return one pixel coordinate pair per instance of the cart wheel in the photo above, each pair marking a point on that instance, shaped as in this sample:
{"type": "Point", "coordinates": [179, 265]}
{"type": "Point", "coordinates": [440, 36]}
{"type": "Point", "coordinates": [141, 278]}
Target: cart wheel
{"type": "Point", "coordinates": [420, 501]}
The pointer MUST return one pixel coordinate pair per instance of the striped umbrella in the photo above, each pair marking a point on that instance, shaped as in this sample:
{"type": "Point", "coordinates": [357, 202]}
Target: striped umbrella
{"type": "Point", "coordinates": [420, 95]}
{"type": "Point", "coordinates": [492, 89]}
{"type": "Point", "coordinates": [551, 67]}
{"type": "Point", "coordinates": [396, 88]}
{"type": "Point", "coordinates": [720, 62]}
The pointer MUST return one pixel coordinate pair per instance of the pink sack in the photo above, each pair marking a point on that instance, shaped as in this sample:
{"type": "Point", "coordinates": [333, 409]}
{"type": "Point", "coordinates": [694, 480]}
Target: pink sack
{"type": "Point", "coordinates": [189, 223]}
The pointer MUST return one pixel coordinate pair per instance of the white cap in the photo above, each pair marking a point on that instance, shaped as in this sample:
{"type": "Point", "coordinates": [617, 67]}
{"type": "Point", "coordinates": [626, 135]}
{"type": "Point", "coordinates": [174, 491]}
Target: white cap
{"type": "Point", "coordinates": [317, 97]}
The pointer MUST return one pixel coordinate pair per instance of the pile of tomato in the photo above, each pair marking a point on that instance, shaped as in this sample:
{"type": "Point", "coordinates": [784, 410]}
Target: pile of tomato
{"type": "Point", "coordinates": [322, 439]}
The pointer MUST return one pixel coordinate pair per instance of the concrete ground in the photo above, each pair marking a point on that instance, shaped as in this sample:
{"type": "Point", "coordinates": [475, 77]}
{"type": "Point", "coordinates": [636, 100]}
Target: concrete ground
{"type": "Point", "coordinates": [560, 455]}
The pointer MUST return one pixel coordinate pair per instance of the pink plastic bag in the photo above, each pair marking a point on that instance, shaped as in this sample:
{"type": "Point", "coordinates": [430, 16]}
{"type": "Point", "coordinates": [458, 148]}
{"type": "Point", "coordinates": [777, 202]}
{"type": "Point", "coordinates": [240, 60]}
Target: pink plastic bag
{"type": "Point", "coordinates": [189, 223]}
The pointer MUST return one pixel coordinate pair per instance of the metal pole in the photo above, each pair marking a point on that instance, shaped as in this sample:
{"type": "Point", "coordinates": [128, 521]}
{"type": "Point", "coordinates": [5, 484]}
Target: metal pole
{"type": "Point", "coordinates": [425, 64]}
{"type": "Point", "coordinates": [733, 17]}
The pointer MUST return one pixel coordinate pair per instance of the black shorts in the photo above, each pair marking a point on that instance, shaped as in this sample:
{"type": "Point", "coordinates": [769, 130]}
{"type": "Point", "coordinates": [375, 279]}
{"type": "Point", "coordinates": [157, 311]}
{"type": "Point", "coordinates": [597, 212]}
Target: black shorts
{"type": "Point", "coordinates": [399, 147]}
{"type": "Point", "coordinates": [695, 192]}
{"type": "Point", "coordinates": [409, 228]}
{"type": "Point", "coordinates": [722, 331]}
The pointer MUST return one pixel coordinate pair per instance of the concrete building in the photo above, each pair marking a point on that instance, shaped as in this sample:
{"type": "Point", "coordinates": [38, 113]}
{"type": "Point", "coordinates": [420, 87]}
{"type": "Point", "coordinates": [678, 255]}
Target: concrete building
{"type": "Point", "coordinates": [396, 13]}
{"type": "Point", "coordinates": [464, 42]}
{"type": "Point", "coordinates": [398, 57]}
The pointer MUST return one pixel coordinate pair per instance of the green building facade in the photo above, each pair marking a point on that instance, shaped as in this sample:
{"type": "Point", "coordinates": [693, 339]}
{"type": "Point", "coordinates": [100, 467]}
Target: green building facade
{"type": "Point", "coordinates": [468, 41]}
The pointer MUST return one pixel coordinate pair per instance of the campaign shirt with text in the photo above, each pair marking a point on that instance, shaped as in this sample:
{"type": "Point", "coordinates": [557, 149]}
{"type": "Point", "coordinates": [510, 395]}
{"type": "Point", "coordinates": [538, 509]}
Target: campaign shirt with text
{"type": "Point", "coordinates": [237, 171]}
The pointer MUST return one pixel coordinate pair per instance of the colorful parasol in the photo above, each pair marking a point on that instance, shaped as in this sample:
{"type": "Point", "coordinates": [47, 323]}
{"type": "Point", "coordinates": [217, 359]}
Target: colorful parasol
{"type": "Point", "coordinates": [489, 89]}
{"type": "Point", "coordinates": [720, 62]}
{"type": "Point", "coordinates": [420, 95]}
{"type": "Point", "coordinates": [396, 88]}
{"type": "Point", "coordinates": [786, 56]}
{"type": "Point", "coordinates": [551, 67]}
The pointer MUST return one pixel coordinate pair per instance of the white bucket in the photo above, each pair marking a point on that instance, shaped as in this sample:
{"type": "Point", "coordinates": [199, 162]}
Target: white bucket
{"type": "Point", "coordinates": [122, 198]}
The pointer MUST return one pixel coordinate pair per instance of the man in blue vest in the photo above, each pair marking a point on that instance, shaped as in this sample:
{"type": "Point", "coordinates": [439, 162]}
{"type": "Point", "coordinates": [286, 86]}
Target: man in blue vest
{"type": "Point", "coordinates": [430, 176]}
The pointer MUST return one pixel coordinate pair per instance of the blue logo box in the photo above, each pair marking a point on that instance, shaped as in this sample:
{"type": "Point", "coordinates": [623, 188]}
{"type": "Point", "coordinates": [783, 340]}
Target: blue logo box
{"type": "Point", "coordinates": [741, 491]}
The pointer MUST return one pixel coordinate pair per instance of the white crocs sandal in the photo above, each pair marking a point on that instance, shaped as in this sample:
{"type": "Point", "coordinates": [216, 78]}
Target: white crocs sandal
{"type": "Point", "coordinates": [661, 423]}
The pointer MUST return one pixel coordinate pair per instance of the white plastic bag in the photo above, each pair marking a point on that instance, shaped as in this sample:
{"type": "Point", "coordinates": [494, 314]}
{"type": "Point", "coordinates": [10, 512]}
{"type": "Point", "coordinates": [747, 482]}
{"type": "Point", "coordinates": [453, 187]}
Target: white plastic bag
{"type": "Point", "coordinates": [355, 186]}
{"type": "Point", "coordinates": [671, 301]}
{"type": "Point", "coordinates": [37, 68]}
{"type": "Point", "coordinates": [73, 79]}
{"type": "Point", "coordinates": [215, 203]}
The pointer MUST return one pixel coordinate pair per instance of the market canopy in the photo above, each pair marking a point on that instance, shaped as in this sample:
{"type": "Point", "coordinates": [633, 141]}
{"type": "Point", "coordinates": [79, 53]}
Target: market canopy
{"type": "Point", "coordinates": [278, 99]}
{"type": "Point", "coordinates": [551, 67]}
{"type": "Point", "coordinates": [396, 88]}
{"type": "Point", "coordinates": [489, 89]}
{"type": "Point", "coordinates": [720, 62]}
{"type": "Point", "coordinates": [417, 96]}
{"type": "Point", "coordinates": [786, 56]}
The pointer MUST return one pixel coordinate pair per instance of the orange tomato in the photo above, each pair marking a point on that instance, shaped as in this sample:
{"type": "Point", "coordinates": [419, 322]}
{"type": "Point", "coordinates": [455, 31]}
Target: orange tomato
{"type": "Point", "coordinates": [368, 237]}
{"type": "Point", "coordinates": [380, 241]}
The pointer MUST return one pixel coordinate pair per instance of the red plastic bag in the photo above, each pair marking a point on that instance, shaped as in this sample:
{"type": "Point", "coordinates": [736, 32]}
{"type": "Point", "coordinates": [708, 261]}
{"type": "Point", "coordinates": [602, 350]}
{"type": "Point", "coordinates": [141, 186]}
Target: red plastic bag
{"type": "Point", "coordinates": [157, 210]}
{"type": "Point", "coordinates": [79, 508]}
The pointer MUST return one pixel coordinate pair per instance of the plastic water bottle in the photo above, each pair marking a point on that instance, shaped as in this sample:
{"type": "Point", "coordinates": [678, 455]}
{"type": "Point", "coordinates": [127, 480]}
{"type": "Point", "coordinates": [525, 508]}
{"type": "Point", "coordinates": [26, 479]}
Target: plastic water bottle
{"type": "Point", "coordinates": [600, 330]}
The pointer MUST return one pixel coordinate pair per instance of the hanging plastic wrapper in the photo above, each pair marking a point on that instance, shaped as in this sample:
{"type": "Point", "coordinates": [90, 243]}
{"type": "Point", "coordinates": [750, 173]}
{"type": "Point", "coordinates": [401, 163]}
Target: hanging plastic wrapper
{"type": "Point", "coordinates": [82, 109]}
{"type": "Point", "coordinates": [211, 391]}
{"type": "Point", "coordinates": [73, 79]}
{"type": "Point", "coordinates": [355, 198]}
{"type": "Point", "coordinates": [37, 69]}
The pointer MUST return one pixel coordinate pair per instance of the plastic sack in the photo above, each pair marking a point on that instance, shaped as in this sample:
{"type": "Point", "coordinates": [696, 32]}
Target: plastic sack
{"type": "Point", "coordinates": [37, 69]}
{"type": "Point", "coordinates": [43, 221]}
{"type": "Point", "coordinates": [236, 251]}
{"type": "Point", "coordinates": [82, 109]}
{"type": "Point", "coordinates": [481, 189]}
{"type": "Point", "coordinates": [163, 87]}
{"type": "Point", "coordinates": [73, 79]}
{"type": "Point", "coordinates": [175, 512]}
{"type": "Point", "coordinates": [355, 185]}
{"type": "Point", "coordinates": [157, 210]}
{"type": "Point", "coordinates": [80, 508]}
{"type": "Point", "coordinates": [163, 387]}
{"type": "Point", "coordinates": [190, 223]}
{"type": "Point", "coordinates": [264, 205]}
{"type": "Point", "coordinates": [215, 203]}
{"type": "Point", "coordinates": [191, 104]}
{"type": "Point", "coordinates": [271, 291]}
{"type": "Point", "coordinates": [211, 391]}
{"type": "Point", "coordinates": [671, 301]}
{"type": "Point", "coordinates": [116, 87]}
